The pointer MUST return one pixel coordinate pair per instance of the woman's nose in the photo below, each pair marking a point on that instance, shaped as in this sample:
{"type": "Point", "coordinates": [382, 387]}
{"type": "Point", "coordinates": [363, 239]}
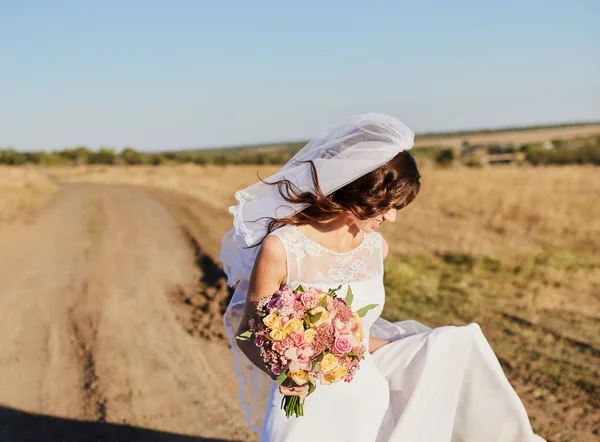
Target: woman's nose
{"type": "Point", "coordinates": [390, 215]}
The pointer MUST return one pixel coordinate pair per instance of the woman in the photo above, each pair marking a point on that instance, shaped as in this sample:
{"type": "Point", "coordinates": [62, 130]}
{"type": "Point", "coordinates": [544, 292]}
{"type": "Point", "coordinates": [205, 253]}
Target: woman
{"type": "Point", "coordinates": [314, 222]}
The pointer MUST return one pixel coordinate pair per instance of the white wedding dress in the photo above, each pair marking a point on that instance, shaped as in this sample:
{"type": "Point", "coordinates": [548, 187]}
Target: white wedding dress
{"type": "Point", "coordinates": [428, 385]}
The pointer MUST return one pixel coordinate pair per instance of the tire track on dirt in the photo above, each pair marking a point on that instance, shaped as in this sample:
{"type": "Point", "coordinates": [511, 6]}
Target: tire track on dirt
{"type": "Point", "coordinates": [88, 330]}
{"type": "Point", "coordinates": [95, 402]}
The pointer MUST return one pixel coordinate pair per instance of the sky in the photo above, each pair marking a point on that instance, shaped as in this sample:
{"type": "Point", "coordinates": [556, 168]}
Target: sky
{"type": "Point", "coordinates": [179, 74]}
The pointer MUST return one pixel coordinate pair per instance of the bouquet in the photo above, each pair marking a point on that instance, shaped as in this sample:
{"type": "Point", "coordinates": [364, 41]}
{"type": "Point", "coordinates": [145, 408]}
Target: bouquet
{"type": "Point", "coordinates": [309, 336]}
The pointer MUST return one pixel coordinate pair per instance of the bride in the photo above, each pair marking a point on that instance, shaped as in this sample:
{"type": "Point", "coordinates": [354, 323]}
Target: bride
{"type": "Point", "coordinates": [315, 223]}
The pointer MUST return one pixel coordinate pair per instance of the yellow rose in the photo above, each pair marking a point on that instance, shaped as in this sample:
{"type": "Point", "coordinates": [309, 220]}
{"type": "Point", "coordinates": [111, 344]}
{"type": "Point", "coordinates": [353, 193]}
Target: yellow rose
{"type": "Point", "coordinates": [277, 334]}
{"type": "Point", "coordinates": [360, 335]}
{"type": "Point", "coordinates": [336, 375]}
{"type": "Point", "coordinates": [293, 325]}
{"type": "Point", "coordinates": [329, 362]}
{"type": "Point", "coordinates": [300, 377]}
{"type": "Point", "coordinates": [322, 318]}
{"type": "Point", "coordinates": [339, 373]}
{"type": "Point", "coordinates": [272, 320]}
{"type": "Point", "coordinates": [309, 335]}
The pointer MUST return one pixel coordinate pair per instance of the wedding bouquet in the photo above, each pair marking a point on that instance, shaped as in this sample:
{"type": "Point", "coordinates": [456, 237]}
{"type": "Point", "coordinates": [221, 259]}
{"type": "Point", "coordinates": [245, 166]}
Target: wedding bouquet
{"type": "Point", "coordinates": [309, 336]}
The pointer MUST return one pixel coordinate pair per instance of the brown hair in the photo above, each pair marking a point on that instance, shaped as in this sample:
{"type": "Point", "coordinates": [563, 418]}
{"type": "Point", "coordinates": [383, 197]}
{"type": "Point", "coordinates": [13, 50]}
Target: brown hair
{"type": "Point", "coordinates": [393, 184]}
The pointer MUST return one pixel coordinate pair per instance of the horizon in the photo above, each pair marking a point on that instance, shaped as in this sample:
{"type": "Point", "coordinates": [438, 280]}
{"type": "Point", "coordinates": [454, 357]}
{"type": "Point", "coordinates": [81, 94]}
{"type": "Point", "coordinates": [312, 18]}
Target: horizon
{"type": "Point", "coordinates": [185, 75]}
{"type": "Point", "coordinates": [451, 133]}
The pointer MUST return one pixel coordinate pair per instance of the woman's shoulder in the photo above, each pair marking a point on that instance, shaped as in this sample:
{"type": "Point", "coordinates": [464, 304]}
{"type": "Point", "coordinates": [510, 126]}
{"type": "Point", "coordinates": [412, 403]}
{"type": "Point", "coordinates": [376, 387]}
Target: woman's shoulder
{"type": "Point", "coordinates": [283, 234]}
{"type": "Point", "coordinates": [271, 252]}
{"type": "Point", "coordinates": [385, 248]}
{"type": "Point", "coordinates": [378, 239]}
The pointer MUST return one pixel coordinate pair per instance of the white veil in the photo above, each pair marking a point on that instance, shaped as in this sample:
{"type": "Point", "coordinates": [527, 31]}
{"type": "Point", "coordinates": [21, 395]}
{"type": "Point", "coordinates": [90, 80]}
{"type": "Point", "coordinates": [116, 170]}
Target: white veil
{"type": "Point", "coordinates": [344, 153]}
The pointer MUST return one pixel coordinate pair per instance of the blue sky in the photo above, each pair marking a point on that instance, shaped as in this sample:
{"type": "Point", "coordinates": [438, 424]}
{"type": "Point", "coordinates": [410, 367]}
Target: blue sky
{"type": "Point", "coordinates": [159, 75]}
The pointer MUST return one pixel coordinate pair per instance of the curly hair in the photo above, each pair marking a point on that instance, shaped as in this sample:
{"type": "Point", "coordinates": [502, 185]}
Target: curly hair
{"type": "Point", "coordinates": [394, 184]}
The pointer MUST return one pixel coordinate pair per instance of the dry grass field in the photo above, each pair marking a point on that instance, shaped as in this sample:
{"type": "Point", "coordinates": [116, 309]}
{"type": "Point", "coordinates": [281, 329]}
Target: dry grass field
{"type": "Point", "coordinates": [22, 192]}
{"type": "Point", "coordinates": [516, 249]}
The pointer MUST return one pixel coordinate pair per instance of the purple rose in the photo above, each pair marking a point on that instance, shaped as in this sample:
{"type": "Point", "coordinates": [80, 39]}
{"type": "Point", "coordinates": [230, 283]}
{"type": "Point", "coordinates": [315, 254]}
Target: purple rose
{"type": "Point", "coordinates": [273, 302]}
{"type": "Point", "coordinates": [259, 340]}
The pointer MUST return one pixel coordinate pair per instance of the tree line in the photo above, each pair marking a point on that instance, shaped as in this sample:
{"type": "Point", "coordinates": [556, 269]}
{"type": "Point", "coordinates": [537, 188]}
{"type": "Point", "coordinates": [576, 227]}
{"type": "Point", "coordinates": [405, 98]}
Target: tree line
{"type": "Point", "coordinates": [128, 156]}
{"type": "Point", "coordinates": [574, 151]}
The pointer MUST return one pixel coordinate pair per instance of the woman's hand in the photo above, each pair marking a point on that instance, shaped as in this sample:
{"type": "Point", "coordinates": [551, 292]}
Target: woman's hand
{"type": "Point", "coordinates": [294, 390]}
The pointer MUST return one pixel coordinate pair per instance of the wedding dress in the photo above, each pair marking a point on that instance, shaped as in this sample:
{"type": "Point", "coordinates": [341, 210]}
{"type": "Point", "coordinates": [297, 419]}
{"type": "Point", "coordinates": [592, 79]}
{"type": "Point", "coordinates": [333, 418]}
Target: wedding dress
{"type": "Point", "coordinates": [428, 385]}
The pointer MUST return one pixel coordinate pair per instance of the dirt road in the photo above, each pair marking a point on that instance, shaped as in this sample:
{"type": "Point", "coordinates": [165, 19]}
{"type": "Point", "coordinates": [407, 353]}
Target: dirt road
{"type": "Point", "coordinates": [99, 331]}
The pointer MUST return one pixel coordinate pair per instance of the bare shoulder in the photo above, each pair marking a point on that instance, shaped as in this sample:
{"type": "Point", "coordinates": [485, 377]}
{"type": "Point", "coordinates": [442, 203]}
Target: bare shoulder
{"type": "Point", "coordinates": [272, 250]}
{"type": "Point", "coordinates": [384, 247]}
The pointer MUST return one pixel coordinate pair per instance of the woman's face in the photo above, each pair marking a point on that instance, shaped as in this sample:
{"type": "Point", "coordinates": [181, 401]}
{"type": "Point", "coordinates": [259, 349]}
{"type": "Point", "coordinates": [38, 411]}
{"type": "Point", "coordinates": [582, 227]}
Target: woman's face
{"type": "Point", "coordinates": [372, 224]}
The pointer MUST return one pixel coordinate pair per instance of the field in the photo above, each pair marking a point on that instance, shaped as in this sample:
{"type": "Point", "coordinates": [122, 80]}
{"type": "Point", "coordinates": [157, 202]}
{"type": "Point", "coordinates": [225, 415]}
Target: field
{"type": "Point", "coordinates": [112, 293]}
{"type": "Point", "coordinates": [22, 192]}
{"type": "Point", "coordinates": [514, 136]}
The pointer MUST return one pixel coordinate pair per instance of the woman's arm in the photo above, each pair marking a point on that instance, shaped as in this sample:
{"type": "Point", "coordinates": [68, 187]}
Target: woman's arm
{"type": "Point", "coordinates": [376, 343]}
{"type": "Point", "coordinates": [268, 273]}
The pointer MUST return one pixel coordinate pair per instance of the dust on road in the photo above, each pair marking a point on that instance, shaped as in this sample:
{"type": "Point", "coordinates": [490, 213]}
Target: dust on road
{"type": "Point", "coordinates": [97, 332]}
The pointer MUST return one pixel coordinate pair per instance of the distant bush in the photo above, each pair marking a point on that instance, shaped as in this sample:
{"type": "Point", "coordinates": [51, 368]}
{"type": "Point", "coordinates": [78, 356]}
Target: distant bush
{"type": "Point", "coordinates": [11, 157]}
{"type": "Point", "coordinates": [445, 157]}
{"type": "Point", "coordinates": [132, 157]}
{"type": "Point", "coordinates": [103, 156]}
{"type": "Point", "coordinates": [589, 154]}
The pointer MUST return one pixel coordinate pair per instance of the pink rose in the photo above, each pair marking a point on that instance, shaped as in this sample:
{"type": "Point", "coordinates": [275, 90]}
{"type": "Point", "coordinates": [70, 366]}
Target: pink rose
{"type": "Point", "coordinates": [341, 345]}
{"type": "Point", "coordinates": [277, 346]}
{"type": "Point", "coordinates": [298, 338]}
{"type": "Point", "coordinates": [288, 343]}
{"type": "Point", "coordinates": [309, 300]}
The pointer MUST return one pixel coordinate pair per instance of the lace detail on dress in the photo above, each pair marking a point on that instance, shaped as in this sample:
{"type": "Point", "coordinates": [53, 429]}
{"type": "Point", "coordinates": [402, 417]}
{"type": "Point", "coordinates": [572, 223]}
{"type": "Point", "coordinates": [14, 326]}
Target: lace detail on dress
{"type": "Point", "coordinates": [355, 270]}
{"type": "Point", "coordinates": [309, 261]}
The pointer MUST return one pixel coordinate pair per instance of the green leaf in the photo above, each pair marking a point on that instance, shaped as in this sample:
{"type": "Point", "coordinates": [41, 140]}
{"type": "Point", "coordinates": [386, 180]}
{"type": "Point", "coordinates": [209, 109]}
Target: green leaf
{"type": "Point", "coordinates": [300, 289]}
{"type": "Point", "coordinates": [247, 335]}
{"type": "Point", "coordinates": [307, 321]}
{"type": "Point", "coordinates": [312, 387]}
{"type": "Point", "coordinates": [349, 296]}
{"type": "Point", "coordinates": [363, 311]}
{"type": "Point", "coordinates": [323, 302]}
{"type": "Point", "coordinates": [315, 317]}
{"type": "Point", "coordinates": [282, 377]}
{"type": "Point", "coordinates": [316, 367]}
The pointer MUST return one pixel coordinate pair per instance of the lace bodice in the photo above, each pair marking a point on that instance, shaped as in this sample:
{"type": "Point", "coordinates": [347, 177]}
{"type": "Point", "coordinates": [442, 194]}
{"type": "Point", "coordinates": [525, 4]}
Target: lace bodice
{"type": "Point", "coordinates": [310, 263]}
